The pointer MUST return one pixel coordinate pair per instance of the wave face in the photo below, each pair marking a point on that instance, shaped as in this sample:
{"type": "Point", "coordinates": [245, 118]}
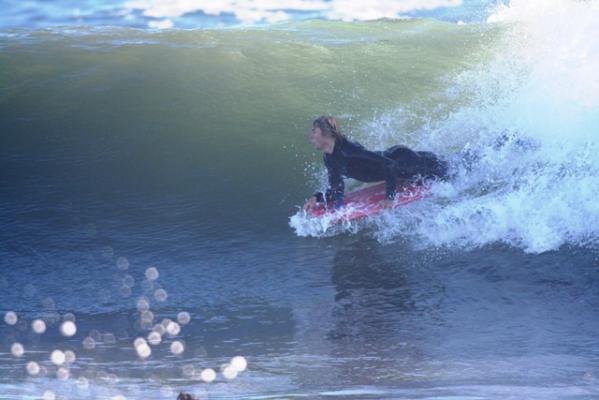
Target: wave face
{"type": "Point", "coordinates": [213, 120]}
{"type": "Point", "coordinates": [522, 133]}
{"type": "Point", "coordinates": [217, 120]}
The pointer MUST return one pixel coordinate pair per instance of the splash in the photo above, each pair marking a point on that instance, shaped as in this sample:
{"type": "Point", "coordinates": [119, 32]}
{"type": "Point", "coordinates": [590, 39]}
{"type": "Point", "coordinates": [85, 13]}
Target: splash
{"type": "Point", "coordinates": [523, 141]}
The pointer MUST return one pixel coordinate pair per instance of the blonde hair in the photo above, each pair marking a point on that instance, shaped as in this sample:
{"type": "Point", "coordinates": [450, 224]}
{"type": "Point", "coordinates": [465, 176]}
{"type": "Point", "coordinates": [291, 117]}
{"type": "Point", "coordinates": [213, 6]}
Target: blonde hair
{"type": "Point", "coordinates": [329, 126]}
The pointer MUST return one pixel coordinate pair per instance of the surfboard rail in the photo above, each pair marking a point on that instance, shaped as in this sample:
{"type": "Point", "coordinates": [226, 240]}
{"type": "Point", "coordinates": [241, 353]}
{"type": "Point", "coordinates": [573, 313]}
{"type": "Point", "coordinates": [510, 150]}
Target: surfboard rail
{"type": "Point", "coordinates": [364, 202]}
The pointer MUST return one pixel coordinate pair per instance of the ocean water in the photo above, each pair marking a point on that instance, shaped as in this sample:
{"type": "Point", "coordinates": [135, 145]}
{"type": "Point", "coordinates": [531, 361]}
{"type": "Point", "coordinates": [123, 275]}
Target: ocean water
{"type": "Point", "coordinates": [151, 181]}
{"type": "Point", "coordinates": [190, 14]}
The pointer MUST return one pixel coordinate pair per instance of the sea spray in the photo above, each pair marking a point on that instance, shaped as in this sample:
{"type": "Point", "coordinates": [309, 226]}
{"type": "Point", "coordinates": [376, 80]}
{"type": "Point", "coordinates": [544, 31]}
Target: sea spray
{"type": "Point", "coordinates": [522, 142]}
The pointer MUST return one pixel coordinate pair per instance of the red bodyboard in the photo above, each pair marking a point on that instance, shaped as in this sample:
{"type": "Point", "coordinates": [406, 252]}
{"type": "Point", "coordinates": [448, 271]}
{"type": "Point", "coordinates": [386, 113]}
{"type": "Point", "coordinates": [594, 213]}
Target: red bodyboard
{"type": "Point", "coordinates": [364, 202]}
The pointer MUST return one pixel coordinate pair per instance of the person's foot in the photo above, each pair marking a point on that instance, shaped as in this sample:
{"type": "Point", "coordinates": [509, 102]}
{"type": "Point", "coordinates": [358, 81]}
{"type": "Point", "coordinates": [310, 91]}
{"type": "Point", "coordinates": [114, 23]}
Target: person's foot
{"type": "Point", "coordinates": [185, 396]}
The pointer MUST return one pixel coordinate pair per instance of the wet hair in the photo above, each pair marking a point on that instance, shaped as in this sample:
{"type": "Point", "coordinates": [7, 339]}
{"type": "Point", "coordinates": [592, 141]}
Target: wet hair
{"type": "Point", "coordinates": [329, 127]}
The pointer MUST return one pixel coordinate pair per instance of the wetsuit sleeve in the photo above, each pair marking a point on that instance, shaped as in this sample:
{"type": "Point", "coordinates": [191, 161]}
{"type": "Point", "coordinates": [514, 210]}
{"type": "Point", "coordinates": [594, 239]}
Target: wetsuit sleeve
{"type": "Point", "coordinates": [335, 191]}
{"type": "Point", "coordinates": [388, 164]}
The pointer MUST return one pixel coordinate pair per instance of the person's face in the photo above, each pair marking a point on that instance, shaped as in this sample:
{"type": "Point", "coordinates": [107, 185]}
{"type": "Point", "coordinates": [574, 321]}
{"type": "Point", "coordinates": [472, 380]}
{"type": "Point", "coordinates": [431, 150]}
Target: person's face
{"type": "Point", "coordinates": [318, 140]}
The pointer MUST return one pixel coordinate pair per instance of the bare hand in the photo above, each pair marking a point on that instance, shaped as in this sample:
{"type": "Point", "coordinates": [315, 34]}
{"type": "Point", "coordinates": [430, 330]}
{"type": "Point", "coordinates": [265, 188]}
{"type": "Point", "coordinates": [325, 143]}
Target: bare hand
{"type": "Point", "coordinates": [386, 203]}
{"type": "Point", "coordinates": [310, 204]}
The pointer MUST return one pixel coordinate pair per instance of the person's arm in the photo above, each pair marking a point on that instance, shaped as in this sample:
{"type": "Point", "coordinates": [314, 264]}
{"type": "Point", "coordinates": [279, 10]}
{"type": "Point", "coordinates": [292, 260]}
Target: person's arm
{"type": "Point", "coordinates": [388, 164]}
{"type": "Point", "coordinates": [335, 191]}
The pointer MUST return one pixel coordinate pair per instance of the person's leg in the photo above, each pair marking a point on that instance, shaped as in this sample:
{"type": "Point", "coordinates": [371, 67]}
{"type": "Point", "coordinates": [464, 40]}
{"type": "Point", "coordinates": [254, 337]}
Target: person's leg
{"type": "Point", "coordinates": [409, 163]}
{"type": "Point", "coordinates": [397, 152]}
{"type": "Point", "coordinates": [435, 167]}
{"type": "Point", "coordinates": [414, 165]}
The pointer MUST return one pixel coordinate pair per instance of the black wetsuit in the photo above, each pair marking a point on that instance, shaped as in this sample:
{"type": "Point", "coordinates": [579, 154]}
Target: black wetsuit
{"type": "Point", "coordinates": [352, 160]}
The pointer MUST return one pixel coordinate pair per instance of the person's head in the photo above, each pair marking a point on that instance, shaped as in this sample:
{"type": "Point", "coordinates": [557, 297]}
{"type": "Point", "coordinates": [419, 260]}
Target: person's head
{"type": "Point", "coordinates": [325, 132]}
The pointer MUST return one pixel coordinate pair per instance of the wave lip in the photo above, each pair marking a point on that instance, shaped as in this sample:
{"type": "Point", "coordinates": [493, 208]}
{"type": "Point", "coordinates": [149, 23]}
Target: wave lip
{"type": "Point", "coordinates": [163, 14]}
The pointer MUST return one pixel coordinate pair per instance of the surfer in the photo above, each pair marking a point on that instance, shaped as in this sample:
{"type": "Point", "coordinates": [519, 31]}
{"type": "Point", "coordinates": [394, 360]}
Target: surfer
{"type": "Point", "coordinates": [343, 157]}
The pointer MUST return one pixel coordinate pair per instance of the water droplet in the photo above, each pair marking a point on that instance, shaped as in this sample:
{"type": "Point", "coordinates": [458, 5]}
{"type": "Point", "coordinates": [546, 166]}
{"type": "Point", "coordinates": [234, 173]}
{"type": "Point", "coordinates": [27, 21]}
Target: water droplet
{"type": "Point", "coordinates": [62, 373]}
{"type": "Point", "coordinates": [239, 363]}
{"type": "Point", "coordinates": [143, 304]}
{"type": "Point", "coordinates": [89, 343]}
{"type": "Point", "coordinates": [142, 348]}
{"type": "Point", "coordinates": [17, 349]}
{"type": "Point", "coordinates": [10, 318]}
{"type": "Point", "coordinates": [160, 294]}
{"type": "Point", "coordinates": [122, 263]}
{"type": "Point", "coordinates": [208, 375]}
{"type": "Point", "coordinates": [152, 273]}
{"type": "Point", "coordinates": [57, 357]}
{"type": "Point", "coordinates": [38, 326]}
{"type": "Point", "coordinates": [229, 372]}
{"type": "Point", "coordinates": [69, 356]}
{"type": "Point", "coordinates": [154, 338]}
{"type": "Point", "coordinates": [68, 328]}
{"type": "Point", "coordinates": [33, 368]}
{"type": "Point", "coordinates": [183, 317]}
{"type": "Point", "coordinates": [128, 281]}
{"type": "Point", "coordinates": [173, 328]}
{"type": "Point", "coordinates": [177, 347]}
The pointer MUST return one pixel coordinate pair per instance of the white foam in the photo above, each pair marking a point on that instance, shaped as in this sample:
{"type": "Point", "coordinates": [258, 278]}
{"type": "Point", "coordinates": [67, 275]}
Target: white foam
{"type": "Point", "coordinates": [251, 11]}
{"type": "Point", "coordinates": [536, 191]}
{"type": "Point", "coordinates": [536, 187]}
